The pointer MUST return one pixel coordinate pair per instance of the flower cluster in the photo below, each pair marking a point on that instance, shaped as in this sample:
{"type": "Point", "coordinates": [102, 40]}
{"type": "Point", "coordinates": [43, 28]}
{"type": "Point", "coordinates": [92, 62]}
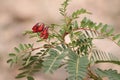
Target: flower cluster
{"type": "Point", "coordinates": [40, 28]}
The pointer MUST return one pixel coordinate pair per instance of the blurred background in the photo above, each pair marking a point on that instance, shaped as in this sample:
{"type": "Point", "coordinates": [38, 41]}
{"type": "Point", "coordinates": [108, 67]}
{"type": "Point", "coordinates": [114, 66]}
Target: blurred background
{"type": "Point", "coordinates": [16, 16]}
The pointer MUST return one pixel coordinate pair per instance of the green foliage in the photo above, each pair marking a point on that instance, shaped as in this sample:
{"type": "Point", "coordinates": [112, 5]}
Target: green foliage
{"type": "Point", "coordinates": [54, 60]}
{"type": "Point", "coordinates": [25, 49]}
{"type": "Point", "coordinates": [99, 56]}
{"type": "Point", "coordinates": [75, 25]}
{"type": "Point", "coordinates": [77, 66]}
{"type": "Point", "coordinates": [30, 78]}
{"type": "Point", "coordinates": [111, 74]}
{"type": "Point", "coordinates": [116, 37]}
{"type": "Point", "coordinates": [28, 62]}
{"type": "Point", "coordinates": [77, 56]}
{"type": "Point", "coordinates": [31, 65]}
{"type": "Point", "coordinates": [31, 34]}
{"type": "Point", "coordinates": [81, 42]}
{"type": "Point", "coordinates": [99, 28]}
{"type": "Point", "coordinates": [87, 23]}
{"type": "Point", "coordinates": [64, 7]}
{"type": "Point", "coordinates": [79, 12]}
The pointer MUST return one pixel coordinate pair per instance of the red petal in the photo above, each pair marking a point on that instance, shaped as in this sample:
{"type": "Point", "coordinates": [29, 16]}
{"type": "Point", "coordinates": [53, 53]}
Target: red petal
{"type": "Point", "coordinates": [35, 27]}
{"type": "Point", "coordinates": [41, 27]}
{"type": "Point", "coordinates": [46, 36]}
{"type": "Point", "coordinates": [45, 31]}
{"type": "Point", "coordinates": [41, 35]}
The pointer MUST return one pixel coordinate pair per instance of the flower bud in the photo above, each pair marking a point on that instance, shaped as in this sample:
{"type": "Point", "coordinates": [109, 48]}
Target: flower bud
{"type": "Point", "coordinates": [45, 31]}
{"type": "Point", "coordinates": [35, 27]}
{"type": "Point", "coordinates": [41, 27]}
{"type": "Point", "coordinates": [46, 36]}
{"type": "Point", "coordinates": [41, 35]}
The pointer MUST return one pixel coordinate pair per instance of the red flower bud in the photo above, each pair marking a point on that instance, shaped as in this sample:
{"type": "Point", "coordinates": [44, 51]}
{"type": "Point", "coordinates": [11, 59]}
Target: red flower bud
{"type": "Point", "coordinates": [46, 36]}
{"type": "Point", "coordinates": [41, 27]}
{"type": "Point", "coordinates": [38, 27]}
{"type": "Point", "coordinates": [41, 35]}
{"type": "Point", "coordinates": [45, 31]}
{"type": "Point", "coordinates": [35, 27]}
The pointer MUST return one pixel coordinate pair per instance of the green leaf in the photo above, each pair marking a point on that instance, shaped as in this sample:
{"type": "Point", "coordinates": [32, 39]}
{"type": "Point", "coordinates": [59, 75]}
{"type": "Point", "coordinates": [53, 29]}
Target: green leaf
{"type": "Point", "coordinates": [98, 26]}
{"type": "Point", "coordinates": [28, 32]}
{"type": "Point", "coordinates": [26, 46]}
{"type": "Point", "coordinates": [30, 78]}
{"type": "Point", "coordinates": [63, 46]}
{"type": "Point", "coordinates": [20, 76]}
{"type": "Point", "coordinates": [116, 37]}
{"type": "Point", "coordinates": [34, 64]}
{"type": "Point", "coordinates": [53, 61]}
{"type": "Point", "coordinates": [16, 49]}
{"type": "Point", "coordinates": [12, 54]}
{"type": "Point", "coordinates": [79, 12]}
{"type": "Point", "coordinates": [30, 45]}
{"type": "Point", "coordinates": [111, 74]}
{"type": "Point", "coordinates": [104, 28]}
{"type": "Point", "coordinates": [84, 22]}
{"type": "Point", "coordinates": [59, 48]}
{"type": "Point", "coordinates": [64, 7]}
{"type": "Point", "coordinates": [99, 56]}
{"type": "Point", "coordinates": [9, 60]}
{"type": "Point", "coordinates": [21, 46]}
{"type": "Point", "coordinates": [77, 66]}
{"type": "Point", "coordinates": [110, 32]}
{"type": "Point", "coordinates": [23, 73]}
{"type": "Point", "coordinates": [118, 43]}
{"type": "Point", "coordinates": [76, 25]}
{"type": "Point", "coordinates": [91, 24]}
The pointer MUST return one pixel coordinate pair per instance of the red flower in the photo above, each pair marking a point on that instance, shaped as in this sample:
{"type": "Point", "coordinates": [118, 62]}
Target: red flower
{"type": "Point", "coordinates": [43, 30]}
{"type": "Point", "coordinates": [46, 36]}
{"type": "Point", "coordinates": [38, 27]}
{"type": "Point", "coordinates": [44, 33]}
{"type": "Point", "coordinates": [35, 27]}
{"type": "Point", "coordinates": [41, 27]}
{"type": "Point", "coordinates": [41, 35]}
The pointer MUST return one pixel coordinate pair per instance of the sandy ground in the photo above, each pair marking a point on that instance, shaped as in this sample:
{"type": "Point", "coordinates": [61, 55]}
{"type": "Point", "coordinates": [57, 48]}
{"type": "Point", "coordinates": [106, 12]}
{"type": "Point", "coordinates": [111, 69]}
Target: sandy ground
{"type": "Point", "coordinates": [16, 16]}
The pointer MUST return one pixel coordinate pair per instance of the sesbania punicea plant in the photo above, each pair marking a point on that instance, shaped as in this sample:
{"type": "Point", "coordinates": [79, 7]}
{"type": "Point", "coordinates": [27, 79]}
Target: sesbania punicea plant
{"type": "Point", "coordinates": [77, 56]}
